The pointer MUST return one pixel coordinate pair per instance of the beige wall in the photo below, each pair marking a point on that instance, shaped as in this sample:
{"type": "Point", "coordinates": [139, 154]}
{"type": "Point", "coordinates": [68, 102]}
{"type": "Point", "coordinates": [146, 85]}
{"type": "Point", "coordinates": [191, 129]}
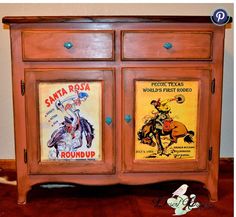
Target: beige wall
{"type": "Point", "coordinates": [6, 118]}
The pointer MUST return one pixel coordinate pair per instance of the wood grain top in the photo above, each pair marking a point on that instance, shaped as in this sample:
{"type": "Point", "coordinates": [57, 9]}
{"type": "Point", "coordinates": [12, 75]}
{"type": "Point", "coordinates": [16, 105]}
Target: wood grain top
{"type": "Point", "coordinates": [107, 19]}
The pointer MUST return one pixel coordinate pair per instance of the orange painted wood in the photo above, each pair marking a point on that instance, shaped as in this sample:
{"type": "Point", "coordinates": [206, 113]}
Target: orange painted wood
{"type": "Point", "coordinates": [118, 77]}
{"type": "Point", "coordinates": [149, 45]}
{"type": "Point", "coordinates": [35, 165]}
{"type": "Point", "coordinates": [49, 45]}
{"type": "Point", "coordinates": [130, 76]}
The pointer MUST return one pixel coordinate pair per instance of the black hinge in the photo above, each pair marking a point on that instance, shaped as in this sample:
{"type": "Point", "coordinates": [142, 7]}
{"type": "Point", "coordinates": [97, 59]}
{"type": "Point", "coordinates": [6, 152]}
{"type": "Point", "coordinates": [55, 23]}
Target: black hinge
{"type": "Point", "coordinates": [25, 156]}
{"type": "Point", "coordinates": [213, 86]}
{"type": "Point", "coordinates": [210, 154]}
{"type": "Point", "coordinates": [22, 86]}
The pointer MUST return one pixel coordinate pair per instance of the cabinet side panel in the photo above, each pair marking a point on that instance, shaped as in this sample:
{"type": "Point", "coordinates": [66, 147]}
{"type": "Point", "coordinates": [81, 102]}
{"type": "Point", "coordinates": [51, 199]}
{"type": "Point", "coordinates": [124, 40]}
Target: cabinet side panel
{"type": "Point", "coordinates": [216, 108]}
{"type": "Point", "coordinates": [19, 115]}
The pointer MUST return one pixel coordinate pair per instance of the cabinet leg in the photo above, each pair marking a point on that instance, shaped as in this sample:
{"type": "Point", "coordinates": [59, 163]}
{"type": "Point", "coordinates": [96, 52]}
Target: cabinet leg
{"type": "Point", "coordinates": [21, 200]}
{"type": "Point", "coordinates": [213, 193]}
{"type": "Point", "coordinates": [22, 194]}
{"type": "Point", "coordinates": [213, 196]}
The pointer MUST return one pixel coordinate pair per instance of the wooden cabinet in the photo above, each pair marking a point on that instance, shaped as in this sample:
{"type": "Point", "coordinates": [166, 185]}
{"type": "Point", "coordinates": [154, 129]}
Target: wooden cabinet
{"type": "Point", "coordinates": [107, 100]}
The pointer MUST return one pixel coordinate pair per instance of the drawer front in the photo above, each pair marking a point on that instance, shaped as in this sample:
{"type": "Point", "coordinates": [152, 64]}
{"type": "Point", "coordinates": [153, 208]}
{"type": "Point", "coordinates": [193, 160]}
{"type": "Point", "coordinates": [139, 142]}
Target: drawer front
{"type": "Point", "coordinates": [155, 45]}
{"type": "Point", "coordinates": [67, 45]}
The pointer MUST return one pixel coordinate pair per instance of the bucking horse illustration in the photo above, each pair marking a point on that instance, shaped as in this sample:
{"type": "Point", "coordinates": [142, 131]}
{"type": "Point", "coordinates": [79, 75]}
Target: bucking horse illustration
{"type": "Point", "coordinates": [83, 128]}
{"type": "Point", "coordinates": [163, 125]}
{"type": "Point", "coordinates": [74, 125]}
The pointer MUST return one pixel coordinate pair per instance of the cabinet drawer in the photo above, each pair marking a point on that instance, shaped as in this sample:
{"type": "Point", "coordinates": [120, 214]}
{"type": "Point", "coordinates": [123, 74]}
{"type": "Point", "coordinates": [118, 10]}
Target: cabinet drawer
{"type": "Point", "coordinates": [155, 45]}
{"type": "Point", "coordinates": [67, 45]}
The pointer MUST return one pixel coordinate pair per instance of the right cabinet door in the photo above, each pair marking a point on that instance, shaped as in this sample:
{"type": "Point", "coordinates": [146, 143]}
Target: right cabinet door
{"type": "Point", "coordinates": [166, 119]}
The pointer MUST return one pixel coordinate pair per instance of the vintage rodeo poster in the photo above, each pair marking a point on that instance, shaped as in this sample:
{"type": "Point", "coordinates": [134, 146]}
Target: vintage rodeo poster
{"type": "Point", "coordinates": [70, 120]}
{"type": "Point", "coordinates": [166, 119]}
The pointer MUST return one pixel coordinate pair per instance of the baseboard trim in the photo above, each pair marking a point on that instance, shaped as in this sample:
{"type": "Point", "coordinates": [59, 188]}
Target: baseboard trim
{"type": "Point", "coordinates": [226, 159]}
{"type": "Point", "coordinates": [10, 164]}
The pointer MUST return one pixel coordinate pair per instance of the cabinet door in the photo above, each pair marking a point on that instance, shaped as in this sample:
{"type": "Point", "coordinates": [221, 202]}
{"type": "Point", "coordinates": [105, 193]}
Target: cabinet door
{"type": "Point", "coordinates": [70, 121]}
{"type": "Point", "coordinates": [166, 113]}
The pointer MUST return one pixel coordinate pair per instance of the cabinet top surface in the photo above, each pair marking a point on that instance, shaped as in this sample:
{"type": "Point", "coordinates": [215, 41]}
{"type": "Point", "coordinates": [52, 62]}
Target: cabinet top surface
{"type": "Point", "coordinates": [107, 19]}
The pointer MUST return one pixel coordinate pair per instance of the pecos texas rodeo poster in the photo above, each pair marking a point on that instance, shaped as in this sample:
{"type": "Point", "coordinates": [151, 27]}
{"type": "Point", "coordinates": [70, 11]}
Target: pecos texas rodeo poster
{"type": "Point", "coordinates": [166, 119]}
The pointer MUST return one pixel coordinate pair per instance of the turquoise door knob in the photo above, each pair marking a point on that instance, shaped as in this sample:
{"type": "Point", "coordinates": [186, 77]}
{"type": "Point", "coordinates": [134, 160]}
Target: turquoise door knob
{"type": "Point", "coordinates": [128, 118]}
{"type": "Point", "coordinates": [68, 45]}
{"type": "Point", "coordinates": [168, 45]}
{"type": "Point", "coordinates": [108, 120]}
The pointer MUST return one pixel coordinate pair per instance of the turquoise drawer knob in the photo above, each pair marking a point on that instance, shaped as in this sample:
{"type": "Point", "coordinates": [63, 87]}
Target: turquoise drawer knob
{"type": "Point", "coordinates": [128, 118]}
{"type": "Point", "coordinates": [68, 45]}
{"type": "Point", "coordinates": [168, 45]}
{"type": "Point", "coordinates": [108, 120]}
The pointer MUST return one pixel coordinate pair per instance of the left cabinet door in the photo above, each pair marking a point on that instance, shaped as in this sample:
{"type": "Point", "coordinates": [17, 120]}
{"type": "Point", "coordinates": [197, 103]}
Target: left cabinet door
{"type": "Point", "coordinates": [69, 119]}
